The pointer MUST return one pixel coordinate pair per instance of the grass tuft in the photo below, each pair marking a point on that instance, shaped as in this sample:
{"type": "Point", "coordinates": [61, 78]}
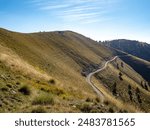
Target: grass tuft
{"type": "Point", "coordinates": [86, 108]}
{"type": "Point", "coordinates": [38, 110]}
{"type": "Point", "coordinates": [43, 99]}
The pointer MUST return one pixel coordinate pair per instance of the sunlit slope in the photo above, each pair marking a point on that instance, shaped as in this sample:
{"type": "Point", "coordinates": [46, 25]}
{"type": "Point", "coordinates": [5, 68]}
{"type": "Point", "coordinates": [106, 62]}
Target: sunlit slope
{"type": "Point", "coordinates": [60, 54]}
{"type": "Point", "coordinates": [51, 67]}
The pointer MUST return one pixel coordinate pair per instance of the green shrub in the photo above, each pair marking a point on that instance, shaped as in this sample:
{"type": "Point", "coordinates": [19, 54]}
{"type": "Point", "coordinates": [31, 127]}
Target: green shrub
{"type": "Point", "coordinates": [43, 99]}
{"type": "Point", "coordinates": [25, 90]}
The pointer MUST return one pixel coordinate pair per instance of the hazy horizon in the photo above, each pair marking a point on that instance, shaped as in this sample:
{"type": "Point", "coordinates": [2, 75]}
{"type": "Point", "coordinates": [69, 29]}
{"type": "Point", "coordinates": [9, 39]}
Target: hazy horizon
{"type": "Point", "coordinates": [97, 19]}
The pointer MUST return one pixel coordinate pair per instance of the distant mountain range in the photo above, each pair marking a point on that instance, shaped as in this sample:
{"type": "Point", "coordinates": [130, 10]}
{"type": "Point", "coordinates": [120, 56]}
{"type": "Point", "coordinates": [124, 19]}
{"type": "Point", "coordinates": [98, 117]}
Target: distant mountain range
{"type": "Point", "coordinates": [46, 72]}
{"type": "Point", "coordinates": [136, 48]}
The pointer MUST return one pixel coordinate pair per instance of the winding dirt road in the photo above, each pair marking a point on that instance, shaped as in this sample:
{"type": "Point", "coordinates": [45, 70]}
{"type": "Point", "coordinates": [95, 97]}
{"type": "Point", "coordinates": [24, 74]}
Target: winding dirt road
{"type": "Point", "coordinates": [95, 88]}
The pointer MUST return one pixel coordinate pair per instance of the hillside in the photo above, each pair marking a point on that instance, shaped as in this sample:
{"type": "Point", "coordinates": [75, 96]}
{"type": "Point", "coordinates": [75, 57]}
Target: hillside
{"type": "Point", "coordinates": [45, 72]}
{"type": "Point", "coordinates": [139, 65]}
{"type": "Point", "coordinates": [139, 58]}
{"type": "Point", "coordinates": [135, 48]}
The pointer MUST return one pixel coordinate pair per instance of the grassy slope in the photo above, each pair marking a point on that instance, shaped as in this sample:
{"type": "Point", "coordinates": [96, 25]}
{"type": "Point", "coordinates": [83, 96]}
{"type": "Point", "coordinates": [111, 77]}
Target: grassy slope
{"type": "Point", "coordinates": [139, 65]}
{"type": "Point", "coordinates": [51, 63]}
{"type": "Point", "coordinates": [121, 93]}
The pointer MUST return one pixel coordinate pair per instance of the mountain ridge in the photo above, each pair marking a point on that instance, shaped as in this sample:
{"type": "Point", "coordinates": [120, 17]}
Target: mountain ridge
{"type": "Point", "coordinates": [136, 48]}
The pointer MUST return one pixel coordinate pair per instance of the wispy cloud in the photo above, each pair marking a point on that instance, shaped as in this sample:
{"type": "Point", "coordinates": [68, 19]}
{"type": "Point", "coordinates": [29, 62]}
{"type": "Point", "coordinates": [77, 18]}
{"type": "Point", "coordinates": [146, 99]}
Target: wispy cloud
{"type": "Point", "coordinates": [51, 7]}
{"type": "Point", "coordinates": [84, 11]}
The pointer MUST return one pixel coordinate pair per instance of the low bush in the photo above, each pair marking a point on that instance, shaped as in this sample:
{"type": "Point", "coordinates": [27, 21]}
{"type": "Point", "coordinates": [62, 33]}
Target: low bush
{"type": "Point", "coordinates": [51, 81]}
{"type": "Point", "coordinates": [97, 99]}
{"type": "Point", "coordinates": [89, 100]}
{"type": "Point", "coordinates": [25, 90]}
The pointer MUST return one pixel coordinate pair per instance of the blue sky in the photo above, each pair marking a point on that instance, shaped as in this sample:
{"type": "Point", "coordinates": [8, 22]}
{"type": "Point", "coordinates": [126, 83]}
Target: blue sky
{"type": "Point", "coordinates": [97, 19]}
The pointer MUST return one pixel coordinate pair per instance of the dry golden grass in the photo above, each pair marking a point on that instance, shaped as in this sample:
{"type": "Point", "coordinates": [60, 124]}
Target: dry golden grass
{"type": "Point", "coordinates": [116, 102]}
{"type": "Point", "coordinates": [110, 76]}
{"type": "Point", "coordinates": [15, 63]}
